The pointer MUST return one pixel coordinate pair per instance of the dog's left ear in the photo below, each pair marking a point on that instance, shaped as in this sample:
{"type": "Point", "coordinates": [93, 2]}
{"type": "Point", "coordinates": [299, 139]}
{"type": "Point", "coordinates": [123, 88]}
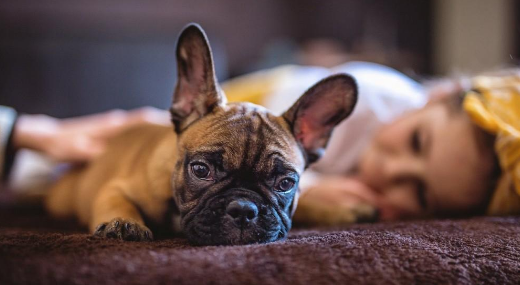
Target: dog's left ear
{"type": "Point", "coordinates": [197, 91]}
{"type": "Point", "coordinates": [319, 110]}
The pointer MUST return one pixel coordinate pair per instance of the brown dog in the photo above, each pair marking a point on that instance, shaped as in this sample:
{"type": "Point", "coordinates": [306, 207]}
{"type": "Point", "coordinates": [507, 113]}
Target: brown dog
{"type": "Point", "coordinates": [228, 173]}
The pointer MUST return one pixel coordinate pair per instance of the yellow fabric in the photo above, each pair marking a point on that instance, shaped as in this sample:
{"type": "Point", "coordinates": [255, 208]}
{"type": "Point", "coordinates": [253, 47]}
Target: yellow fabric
{"type": "Point", "coordinates": [494, 105]}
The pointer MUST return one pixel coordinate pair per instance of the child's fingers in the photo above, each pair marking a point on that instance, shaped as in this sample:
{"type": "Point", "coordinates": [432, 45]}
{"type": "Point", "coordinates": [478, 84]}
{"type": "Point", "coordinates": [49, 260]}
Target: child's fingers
{"type": "Point", "coordinates": [116, 124]}
{"type": "Point", "coordinates": [79, 149]}
{"type": "Point", "coordinates": [149, 115]}
{"type": "Point", "coordinates": [87, 123]}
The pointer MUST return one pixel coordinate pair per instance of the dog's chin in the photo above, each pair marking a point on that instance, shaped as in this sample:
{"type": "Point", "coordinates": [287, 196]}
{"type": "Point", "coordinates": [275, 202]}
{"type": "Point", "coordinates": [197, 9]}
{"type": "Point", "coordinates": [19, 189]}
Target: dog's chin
{"type": "Point", "coordinates": [210, 228]}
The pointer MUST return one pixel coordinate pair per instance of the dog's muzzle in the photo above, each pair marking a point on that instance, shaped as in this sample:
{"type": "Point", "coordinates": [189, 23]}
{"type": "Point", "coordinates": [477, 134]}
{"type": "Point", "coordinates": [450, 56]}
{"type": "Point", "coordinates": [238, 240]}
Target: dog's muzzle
{"type": "Point", "coordinates": [242, 212]}
{"type": "Point", "coordinates": [235, 216]}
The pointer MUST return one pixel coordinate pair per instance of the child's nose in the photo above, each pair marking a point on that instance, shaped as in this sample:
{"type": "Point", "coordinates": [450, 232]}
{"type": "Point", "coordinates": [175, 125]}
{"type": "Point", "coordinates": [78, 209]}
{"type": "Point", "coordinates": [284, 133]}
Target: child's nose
{"type": "Point", "coordinates": [392, 144]}
{"type": "Point", "coordinates": [396, 167]}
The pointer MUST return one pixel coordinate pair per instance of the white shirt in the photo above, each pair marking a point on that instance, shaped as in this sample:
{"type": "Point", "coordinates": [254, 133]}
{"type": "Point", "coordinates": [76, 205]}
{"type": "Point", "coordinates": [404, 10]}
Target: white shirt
{"type": "Point", "coordinates": [384, 94]}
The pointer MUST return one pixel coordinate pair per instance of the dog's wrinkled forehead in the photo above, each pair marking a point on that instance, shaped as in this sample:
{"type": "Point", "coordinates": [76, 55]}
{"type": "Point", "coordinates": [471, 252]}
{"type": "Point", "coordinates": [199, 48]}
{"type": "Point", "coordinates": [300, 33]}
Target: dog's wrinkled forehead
{"type": "Point", "coordinates": [247, 136]}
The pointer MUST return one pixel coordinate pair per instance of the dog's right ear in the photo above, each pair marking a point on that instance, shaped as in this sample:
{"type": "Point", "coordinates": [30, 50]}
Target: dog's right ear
{"type": "Point", "coordinates": [197, 91]}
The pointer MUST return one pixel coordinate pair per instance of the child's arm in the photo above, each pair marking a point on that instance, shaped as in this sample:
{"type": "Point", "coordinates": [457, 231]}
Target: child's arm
{"type": "Point", "coordinates": [7, 120]}
{"type": "Point", "coordinates": [78, 139]}
{"type": "Point", "coordinates": [332, 200]}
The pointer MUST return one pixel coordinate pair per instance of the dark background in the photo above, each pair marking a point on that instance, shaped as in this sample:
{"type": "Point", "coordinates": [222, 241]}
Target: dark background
{"type": "Point", "coordinates": [67, 58]}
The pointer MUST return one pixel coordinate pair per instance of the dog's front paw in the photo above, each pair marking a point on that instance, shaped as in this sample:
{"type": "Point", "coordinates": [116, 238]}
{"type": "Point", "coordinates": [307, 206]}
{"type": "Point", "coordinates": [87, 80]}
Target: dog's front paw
{"type": "Point", "coordinates": [122, 229]}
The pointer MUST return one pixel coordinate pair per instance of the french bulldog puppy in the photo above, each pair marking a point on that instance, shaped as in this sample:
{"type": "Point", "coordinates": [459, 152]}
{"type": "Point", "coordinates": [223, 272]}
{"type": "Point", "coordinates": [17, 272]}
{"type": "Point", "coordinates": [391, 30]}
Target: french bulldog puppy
{"type": "Point", "coordinates": [227, 172]}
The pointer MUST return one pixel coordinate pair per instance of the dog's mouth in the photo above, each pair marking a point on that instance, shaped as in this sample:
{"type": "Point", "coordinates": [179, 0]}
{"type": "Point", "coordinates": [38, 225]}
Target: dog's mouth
{"type": "Point", "coordinates": [234, 220]}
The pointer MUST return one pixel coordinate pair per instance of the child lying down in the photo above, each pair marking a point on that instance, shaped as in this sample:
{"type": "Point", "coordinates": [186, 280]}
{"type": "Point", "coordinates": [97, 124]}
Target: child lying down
{"type": "Point", "coordinates": [406, 152]}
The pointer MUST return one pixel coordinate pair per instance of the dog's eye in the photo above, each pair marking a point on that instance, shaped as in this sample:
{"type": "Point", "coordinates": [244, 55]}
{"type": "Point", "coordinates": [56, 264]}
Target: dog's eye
{"type": "Point", "coordinates": [200, 170]}
{"type": "Point", "coordinates": [285, 184]}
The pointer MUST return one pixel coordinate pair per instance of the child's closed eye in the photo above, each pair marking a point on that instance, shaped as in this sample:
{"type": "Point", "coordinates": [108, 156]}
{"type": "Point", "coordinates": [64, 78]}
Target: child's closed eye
{"type": "Point", "coordinates": [415, 141]}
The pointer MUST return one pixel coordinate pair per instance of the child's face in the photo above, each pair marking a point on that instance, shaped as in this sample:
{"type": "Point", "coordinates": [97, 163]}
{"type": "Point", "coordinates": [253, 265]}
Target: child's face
{"type": "Point", "coordinates": [425, 163]}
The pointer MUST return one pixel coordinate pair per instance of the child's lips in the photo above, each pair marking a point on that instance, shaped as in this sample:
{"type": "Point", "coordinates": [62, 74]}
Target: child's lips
{"type": "Point", "coordinates": [387, 213]}
{"type": "Point", "coordinates": [390, 212]}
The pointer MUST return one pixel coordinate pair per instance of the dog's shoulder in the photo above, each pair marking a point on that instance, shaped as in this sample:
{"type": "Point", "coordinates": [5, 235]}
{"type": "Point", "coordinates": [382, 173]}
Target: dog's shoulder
{"type": "Point", "coordinates": [142, 132]}
{"type": "Point", "coordinates": [135, 146]}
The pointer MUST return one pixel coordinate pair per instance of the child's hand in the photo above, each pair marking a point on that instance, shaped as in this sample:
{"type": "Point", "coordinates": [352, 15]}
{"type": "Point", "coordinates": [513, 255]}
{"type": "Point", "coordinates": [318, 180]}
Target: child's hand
{"type": "Point", "coordinates": [79, 139]}
{"type": "Point", "coordinates": [335, 200]}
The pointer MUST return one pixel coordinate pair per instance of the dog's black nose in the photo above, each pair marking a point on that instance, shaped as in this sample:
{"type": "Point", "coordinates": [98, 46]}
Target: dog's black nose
{"type": "Point", "coordinates": [242, 211]}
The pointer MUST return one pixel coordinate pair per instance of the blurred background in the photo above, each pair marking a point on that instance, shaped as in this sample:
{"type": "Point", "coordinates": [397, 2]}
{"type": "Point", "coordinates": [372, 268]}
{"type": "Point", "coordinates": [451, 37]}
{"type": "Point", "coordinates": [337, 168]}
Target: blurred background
{"type": "Point", "coordinates": [67, 58]}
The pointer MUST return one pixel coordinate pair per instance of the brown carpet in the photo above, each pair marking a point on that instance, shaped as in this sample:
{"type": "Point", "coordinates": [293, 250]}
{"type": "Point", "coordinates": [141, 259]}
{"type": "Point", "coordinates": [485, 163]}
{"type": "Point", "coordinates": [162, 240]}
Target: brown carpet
{"type": "Point", "coordinates": [36, 250]}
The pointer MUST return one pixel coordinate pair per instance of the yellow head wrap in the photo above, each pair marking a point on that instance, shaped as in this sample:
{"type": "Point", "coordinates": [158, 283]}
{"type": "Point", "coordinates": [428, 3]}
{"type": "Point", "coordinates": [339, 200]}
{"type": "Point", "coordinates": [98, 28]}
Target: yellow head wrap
{"type": "Point", "coordinates": [494, 105]}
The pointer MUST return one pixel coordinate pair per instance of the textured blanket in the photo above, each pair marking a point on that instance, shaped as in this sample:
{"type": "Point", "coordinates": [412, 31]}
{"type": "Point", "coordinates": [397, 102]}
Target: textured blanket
{"type": "Point", "coordinates": [36, 250]}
